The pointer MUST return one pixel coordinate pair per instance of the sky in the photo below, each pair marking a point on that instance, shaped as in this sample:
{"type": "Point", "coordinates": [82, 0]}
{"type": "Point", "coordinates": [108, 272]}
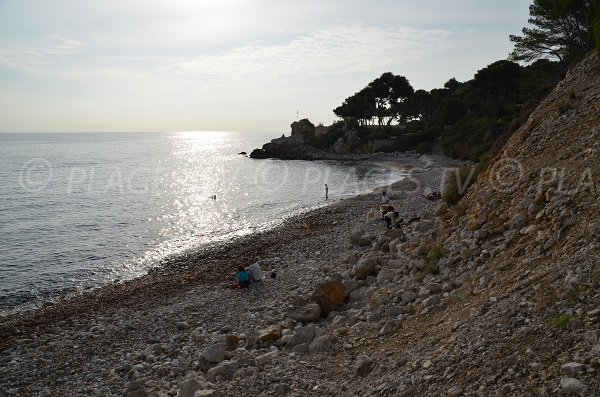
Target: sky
{"type": "Point", "coordinates": [229, 65]}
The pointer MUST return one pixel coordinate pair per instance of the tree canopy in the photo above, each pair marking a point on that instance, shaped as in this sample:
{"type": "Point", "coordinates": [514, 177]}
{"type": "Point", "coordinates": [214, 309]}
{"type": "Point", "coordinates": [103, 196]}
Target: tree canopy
{"type": "Point", "coordinates": [382, 99]}
{"type": "Point", "coordinates": [561, 29]}
{"type": "Point", "coordinates": [469, 118]}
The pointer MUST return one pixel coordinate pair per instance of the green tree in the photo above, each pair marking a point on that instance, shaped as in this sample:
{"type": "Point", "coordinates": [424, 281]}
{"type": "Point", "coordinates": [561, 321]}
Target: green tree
{"type": "Point", "coordinates": [453, 85]}
{"type": "Point", "coordinates": [359, 107]}
{"type": "Point", "coordinates": [389, 91]}
{"type": "Point", "coordinates": [561, 29]}
{"type": "Point", "coordinates": [493, 87]}
{"type": "Point", "coordinates": [381, 99]}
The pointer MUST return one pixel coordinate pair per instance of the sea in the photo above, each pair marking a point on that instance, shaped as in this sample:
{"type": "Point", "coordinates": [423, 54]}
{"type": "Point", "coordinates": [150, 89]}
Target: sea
{"type": "Point", "coordinates": [83, 210]}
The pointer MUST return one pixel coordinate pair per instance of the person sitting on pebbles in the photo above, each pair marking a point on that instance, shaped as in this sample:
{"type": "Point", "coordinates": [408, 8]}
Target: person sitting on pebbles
{"type": "Point", "coordinates": [242, 279]}
{"type": "Point", "coordinates": [384, 209]}
{"type": "Point", "coordinates": [255, 271]}
{"type": "Point", "coordinates": [391, 216]}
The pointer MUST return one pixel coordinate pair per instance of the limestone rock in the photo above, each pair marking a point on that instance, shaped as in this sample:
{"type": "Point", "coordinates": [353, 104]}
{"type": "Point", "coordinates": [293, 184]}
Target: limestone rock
{"type": "Point", "coordinates": [215, 353]}
{"type": "Point", "coordinates": [329, 295]}
{"type": "Point", "coordinates": [190, 384]}
{"type": "Point", "coordinates": [270, 333]}
{"type": "Point", "coordinates": [304, 311]}
{"type": "Point", "coordinates": [303, 127]}
{"type": "Point", "coordinates": [205, 393]}
{"type": "Point", "coordinates": [302, 335]}
{"type": "Point", "coordinates": [320, 344]}
{"type": "Point", "coordinates": [431, 301]}
{"type": "Point", "coordinates": [455, 391]}
{"type": "Point", "coordinates": [574, 369]}
{"type": "Point", "coordinates": [355, 235]}
{"type": "Point", "coordinates": [363, 366]}
{"type": "Point", "coordinates": [573, 387]}
{"type": "Point", "coordinates": [408, 297]}
{"type": "Point", "coordinates": [224, 371]}
{"type": "Point", "coordinates": [265, 358]}
{"type": "Point", "coordinates": [366, 267]}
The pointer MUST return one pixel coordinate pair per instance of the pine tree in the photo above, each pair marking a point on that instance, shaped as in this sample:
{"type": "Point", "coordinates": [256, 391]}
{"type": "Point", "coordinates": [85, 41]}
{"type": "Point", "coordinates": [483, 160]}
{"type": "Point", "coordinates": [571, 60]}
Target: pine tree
{"type": "Point", "coordinates": [562, 29]}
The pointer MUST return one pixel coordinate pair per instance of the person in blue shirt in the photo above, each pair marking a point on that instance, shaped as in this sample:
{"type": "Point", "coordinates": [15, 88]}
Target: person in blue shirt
{"type": "Point", "coordinates": [242, 278]}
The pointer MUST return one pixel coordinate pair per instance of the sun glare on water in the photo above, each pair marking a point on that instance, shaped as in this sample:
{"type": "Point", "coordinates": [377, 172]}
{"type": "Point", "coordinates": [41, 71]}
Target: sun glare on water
{"type": "Point", "coordinates": [203, 135]}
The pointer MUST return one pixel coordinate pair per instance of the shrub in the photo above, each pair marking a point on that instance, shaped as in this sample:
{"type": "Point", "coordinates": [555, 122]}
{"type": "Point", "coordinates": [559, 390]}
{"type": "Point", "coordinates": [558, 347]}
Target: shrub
{"type": "Point", "coordinates": [574, 293]}
{"type": "Point", "coordinates": [564, 107]}
{"type": "Point", "coordinates": [438, 252]}
{"type": "Point", "coordinates": [562, 322]}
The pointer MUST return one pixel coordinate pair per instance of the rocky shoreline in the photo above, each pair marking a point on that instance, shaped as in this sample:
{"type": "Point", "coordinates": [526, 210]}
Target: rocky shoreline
{"type": "Point", "coordinates": [91, 345]}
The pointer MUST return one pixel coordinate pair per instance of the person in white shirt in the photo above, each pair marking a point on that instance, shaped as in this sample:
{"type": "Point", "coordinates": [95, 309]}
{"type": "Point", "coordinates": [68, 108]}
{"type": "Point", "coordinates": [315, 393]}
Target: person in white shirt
{"type": "Point", "coordinates": [384, 198]}
{"type": "Point", "coordinates": [255, 272]}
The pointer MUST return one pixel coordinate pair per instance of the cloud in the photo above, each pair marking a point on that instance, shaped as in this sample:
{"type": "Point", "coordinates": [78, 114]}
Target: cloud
{"type": "Point", "coordinates": [336, 50]}
{"type": "Point", "coordinates": [51, 49]}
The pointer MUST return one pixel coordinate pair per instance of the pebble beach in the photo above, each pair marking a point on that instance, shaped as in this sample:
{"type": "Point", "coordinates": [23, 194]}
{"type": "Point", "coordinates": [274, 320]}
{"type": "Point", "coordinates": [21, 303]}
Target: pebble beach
{"type": "Point", "coordinates": [144, 337]}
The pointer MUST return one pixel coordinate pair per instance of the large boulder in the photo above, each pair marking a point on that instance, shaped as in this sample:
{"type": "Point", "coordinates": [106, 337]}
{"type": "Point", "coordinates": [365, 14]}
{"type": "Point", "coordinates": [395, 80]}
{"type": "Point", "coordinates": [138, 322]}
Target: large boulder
{"type": "Point", "coordinates": [365, 267]}
{"type": "Point", "coordinates": [304, 311]}
{"type": "Point", "coordinates": [329, 295]}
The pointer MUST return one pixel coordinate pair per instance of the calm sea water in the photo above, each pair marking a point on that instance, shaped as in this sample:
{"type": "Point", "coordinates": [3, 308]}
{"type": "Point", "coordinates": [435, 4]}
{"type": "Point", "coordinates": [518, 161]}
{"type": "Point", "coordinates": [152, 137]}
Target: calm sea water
{"type": "Point", "coordinates": [78, 211]}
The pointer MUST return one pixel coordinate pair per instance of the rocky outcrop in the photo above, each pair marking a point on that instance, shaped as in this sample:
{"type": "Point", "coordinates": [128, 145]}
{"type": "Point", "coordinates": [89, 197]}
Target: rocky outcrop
{"type": "Point", "coordinates": [291, 147]}
{"type": "Point", "coordinates": [294, 147]}
{"type": "Point", "coordinates": [303, 128]}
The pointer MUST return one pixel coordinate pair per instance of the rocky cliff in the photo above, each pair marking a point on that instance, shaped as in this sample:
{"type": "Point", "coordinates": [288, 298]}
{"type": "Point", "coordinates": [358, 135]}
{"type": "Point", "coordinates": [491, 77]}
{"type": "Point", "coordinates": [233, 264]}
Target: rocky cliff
{"type": "Point", "coordinates": [496, 296]}
{"type": "Point", "coordinates": [518, 312]}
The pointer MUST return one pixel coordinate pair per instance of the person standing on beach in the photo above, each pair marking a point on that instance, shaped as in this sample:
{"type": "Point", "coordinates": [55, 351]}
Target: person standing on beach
{"type": "Point", "coordinates": [326, 192]}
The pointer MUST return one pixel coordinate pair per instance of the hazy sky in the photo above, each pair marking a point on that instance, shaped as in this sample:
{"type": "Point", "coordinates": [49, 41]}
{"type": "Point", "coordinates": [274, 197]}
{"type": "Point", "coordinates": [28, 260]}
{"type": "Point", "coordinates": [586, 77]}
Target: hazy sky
{"type": "Point", "coordinates": [230, 65]}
